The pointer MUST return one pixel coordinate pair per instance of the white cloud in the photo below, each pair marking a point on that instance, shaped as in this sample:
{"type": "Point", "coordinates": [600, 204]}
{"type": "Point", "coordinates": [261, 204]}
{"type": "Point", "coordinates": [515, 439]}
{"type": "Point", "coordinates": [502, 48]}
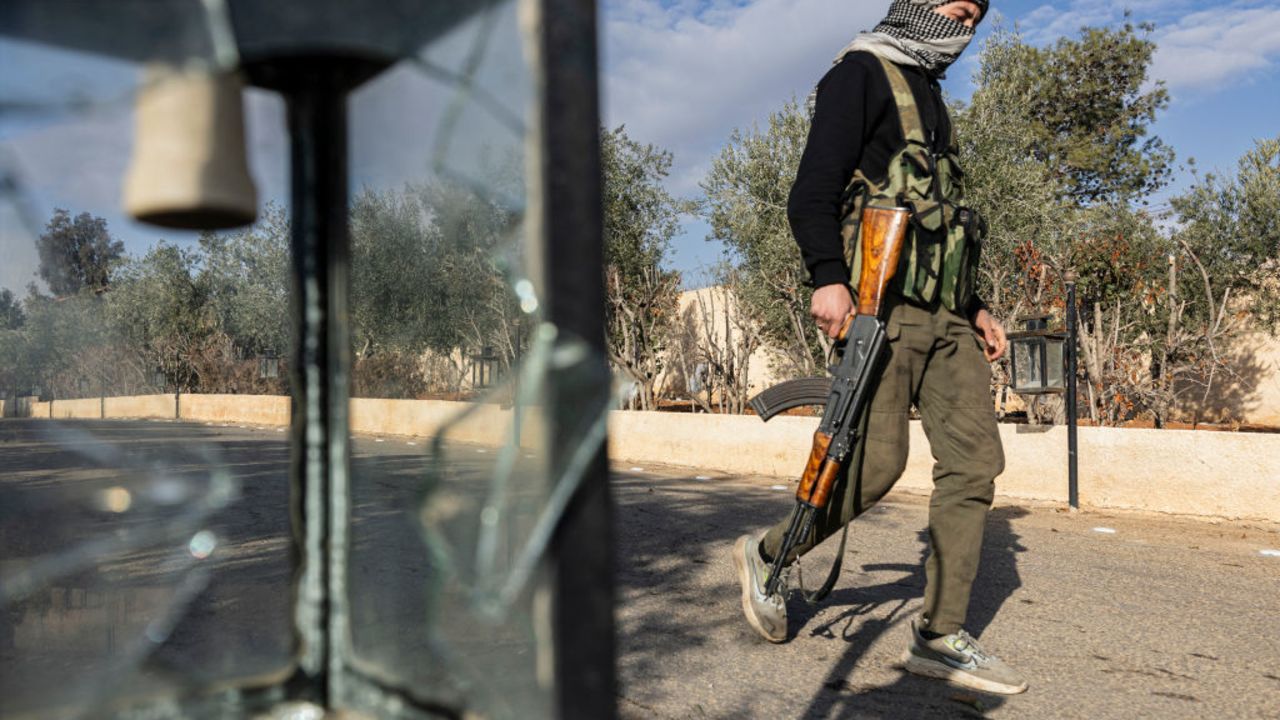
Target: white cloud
{"type": "Point", "coordinates": [1049, 22]}
{"type": "Point", "coordinates": [1214, 48]}
{"type": "Point", "coordinates": [1198, 48]}
{"type": "Point", "coordinates": [683, 76]}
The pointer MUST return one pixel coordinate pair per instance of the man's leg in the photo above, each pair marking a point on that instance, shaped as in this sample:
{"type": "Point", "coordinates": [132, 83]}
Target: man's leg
{"type": "Point", "coordinates": [884, 457]}
{"type": "Point", "coordinates": [959, 420]}
{"type": "Point", "coordinates": [885, 442]}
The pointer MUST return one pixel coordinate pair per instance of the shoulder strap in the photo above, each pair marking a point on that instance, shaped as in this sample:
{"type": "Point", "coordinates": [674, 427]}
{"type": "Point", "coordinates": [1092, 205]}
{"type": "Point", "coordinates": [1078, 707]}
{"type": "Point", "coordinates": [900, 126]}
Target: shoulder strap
{"type": "Point", "coordinates": [908, 111]}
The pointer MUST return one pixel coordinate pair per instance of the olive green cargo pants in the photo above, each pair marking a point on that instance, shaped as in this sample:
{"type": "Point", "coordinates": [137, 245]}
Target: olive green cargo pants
{"type": "Point", "coordinates": [936, 363]}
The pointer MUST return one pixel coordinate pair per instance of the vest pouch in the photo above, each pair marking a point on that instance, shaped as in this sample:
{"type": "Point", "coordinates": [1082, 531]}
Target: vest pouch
{"type": "Point", "coordinates": [963, 255]}
{"type": "Point", "coordinates": [950, 176]}
{"type": "Point", "coordinates": [940, 255]}
{"type": "Point", "coordinates": [910, 177]}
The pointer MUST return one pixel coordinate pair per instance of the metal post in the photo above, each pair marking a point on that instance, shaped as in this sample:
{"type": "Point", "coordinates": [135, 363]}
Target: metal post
{"type": "Point", "coordinates": [1073, 479]}
{"type": "Point", "coordinates": [317, 118]}
{"type": "Point", "coordinates": [571, 226]}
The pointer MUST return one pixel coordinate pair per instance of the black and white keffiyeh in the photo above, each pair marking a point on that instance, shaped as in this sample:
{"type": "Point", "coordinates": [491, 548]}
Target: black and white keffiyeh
{"type": "Point", "coordinates": [913, 34]}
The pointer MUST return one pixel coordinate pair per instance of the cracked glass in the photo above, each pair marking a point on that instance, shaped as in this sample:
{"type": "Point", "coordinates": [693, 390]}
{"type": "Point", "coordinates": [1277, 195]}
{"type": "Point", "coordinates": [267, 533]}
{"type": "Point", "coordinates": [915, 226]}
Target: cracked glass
{"type": "Point", "coordinates": [147, 561]}
{"type": "Point", "coordinates": [144, 530]}
{"type": "Point", "coordinates": [454, 494]}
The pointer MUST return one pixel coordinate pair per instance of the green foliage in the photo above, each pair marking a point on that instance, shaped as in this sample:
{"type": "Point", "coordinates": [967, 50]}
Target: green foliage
{"type": "Point", "coordinates": [397, 287]}
{"type": "Point", "coordinates": [640, 218]}
{"type": "Point", "coordinates": [479, 262]}
{"type": "Point", "coordinates": [77, 254]}
{"type": "Point", "coordinates": [1083, 106]}
{"type": "Point", "coordinates": [746, 206]}
{"type": "Point", "coordinates": [162, 310]}
{"type": "Point", "coordinates": [59, 348]}
{"type": "Point", "coordinates": [245, 276]}
{"type": "Point", "coordinates": [1055, 144]}
{"type": "Point", "coordinates": [1020, 197]}
{"type": "Point", "coordinates": [430, 274]}
{"type": "Point", "coordinates": [11, 315]}
{"type": "Point", "coordinates": [1232, 224]}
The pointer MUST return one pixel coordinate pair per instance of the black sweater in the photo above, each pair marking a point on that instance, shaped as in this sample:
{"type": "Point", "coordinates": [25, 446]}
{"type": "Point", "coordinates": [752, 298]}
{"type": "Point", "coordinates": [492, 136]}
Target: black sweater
{"type": "Point", "coordinates": [855, 125]}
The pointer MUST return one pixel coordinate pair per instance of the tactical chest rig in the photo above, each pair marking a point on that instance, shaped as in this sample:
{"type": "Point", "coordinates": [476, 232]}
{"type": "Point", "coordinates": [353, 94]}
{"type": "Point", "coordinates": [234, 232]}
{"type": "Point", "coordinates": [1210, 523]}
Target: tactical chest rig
{"type": "Point", "coordinates": [944, 243]}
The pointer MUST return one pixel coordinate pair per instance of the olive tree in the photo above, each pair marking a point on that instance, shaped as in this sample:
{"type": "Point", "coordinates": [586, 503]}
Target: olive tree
{"type": "Point", "coordinates": [745, 203]}
{"type": "Point", "coordinates": [641, 293]}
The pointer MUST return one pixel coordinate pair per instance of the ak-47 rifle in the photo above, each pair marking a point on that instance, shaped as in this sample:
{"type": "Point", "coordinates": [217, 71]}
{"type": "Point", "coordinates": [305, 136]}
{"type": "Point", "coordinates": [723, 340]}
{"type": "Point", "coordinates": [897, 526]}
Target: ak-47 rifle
{"type": "Point", "coordinates": [863, 338]}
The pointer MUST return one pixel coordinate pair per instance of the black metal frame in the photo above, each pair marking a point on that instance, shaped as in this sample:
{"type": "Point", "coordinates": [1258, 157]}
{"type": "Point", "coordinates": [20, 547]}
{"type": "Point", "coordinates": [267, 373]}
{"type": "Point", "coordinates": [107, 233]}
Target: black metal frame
{"type": "Point", "coordinates": [1043, 336]}
{"type": "Point", "coordinates": [579, 563]}
{"type": "Point", "coordinates": [581, 552]}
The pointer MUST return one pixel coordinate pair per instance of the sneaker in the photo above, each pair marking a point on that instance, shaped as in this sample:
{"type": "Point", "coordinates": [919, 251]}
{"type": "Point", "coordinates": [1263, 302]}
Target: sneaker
{"type": "Point", "coordinates": [768, 615]}
{"type": "Point", "coordinates": [959, 659]}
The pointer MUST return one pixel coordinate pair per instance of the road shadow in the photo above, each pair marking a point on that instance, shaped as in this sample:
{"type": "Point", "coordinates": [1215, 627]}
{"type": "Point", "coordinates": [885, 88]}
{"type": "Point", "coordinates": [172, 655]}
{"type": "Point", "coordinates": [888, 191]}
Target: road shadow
{"type": "Point", "coordinates": [872, 611]}
{"type": "Point", "coordinates": [668, 531]}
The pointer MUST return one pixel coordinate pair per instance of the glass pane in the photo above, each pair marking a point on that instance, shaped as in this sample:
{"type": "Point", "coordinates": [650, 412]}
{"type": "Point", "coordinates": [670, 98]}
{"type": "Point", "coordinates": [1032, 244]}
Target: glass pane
{"type": "Point", "coordinates": [144, 538]}
{"type": "Point", "coordinates": [1026, 368]}
{"type": "Point", "coordinates": [1055, 366]}
{"type": "Point", "coordinates": [1035, 363]}
{"type": "Point", "coordinates": [454, 496]}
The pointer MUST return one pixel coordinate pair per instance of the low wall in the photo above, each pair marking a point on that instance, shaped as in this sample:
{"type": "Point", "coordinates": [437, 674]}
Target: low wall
{"type": "Point", "coordinates": [140, 406]}
{"type": "Point", "coordinates": [251, 409]}
{"type": "Point", "coordinates": [71, 409]}
{"type": "Point", "coordinates": [1233, 475]}
{"type": "Point", "coordinates": [488, 424]}
{"type": "Point", "coordinates": [21, 407]}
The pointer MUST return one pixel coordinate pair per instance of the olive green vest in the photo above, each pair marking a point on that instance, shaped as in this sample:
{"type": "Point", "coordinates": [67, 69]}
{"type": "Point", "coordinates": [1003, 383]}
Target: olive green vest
{"type": "Point", "coordinates": [940, 263]}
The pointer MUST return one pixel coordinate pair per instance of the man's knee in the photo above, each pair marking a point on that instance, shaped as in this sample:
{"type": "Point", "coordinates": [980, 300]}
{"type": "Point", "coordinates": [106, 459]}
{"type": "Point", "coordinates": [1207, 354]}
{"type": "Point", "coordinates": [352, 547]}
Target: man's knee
{"type": "Point", "coordinates": [887, 447]}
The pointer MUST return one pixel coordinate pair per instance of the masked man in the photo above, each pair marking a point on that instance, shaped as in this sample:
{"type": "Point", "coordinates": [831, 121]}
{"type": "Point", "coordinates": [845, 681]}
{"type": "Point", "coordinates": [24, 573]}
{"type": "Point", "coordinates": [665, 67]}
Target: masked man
{"type": "Point", "coordinates": [880, 133]}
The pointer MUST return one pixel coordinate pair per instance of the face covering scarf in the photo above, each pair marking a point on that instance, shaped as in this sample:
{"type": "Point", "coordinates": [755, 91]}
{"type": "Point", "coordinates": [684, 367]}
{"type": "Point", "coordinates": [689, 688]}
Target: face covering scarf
{"type": "Point", "coordinates": [913, 34]}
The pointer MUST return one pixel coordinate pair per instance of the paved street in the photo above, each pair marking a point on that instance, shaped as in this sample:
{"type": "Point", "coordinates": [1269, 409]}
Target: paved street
{"type": "Point", "coordinates": [1163, 618]}
{"type": "Point", "coordinates": [1160, 617]}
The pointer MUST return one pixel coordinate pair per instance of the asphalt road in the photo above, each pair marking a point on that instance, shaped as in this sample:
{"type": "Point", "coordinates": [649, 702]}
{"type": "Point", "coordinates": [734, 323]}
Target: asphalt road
{"type": "Point", "coordinates": [1162, 617]}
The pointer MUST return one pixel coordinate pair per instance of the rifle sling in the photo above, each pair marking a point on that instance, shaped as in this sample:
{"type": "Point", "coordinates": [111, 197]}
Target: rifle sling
{"type": "Point", "coordinates": [852, 483]}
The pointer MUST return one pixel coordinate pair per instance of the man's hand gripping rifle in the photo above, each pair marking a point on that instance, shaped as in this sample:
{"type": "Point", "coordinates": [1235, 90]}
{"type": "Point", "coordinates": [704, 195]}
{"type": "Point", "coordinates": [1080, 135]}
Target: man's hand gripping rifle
{"type": "Point", "coordinates": [863, 338]}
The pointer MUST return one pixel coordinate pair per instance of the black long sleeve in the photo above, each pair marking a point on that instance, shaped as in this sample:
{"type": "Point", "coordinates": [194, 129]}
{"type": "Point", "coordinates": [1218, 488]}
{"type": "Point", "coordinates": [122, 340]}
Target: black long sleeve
{"type": "Point", "coordinates": [855, 125]}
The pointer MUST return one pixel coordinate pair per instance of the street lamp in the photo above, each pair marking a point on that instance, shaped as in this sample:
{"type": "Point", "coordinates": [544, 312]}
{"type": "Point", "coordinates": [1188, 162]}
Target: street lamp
{"type": "Point", "coordinates": [1037, 358]}
{"type": "Point", "coordinates": [268, 366]}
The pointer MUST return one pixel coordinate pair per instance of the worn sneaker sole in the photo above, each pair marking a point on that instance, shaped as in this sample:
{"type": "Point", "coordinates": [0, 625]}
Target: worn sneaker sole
{"type": "Point", "coordinates": [917, 665]}
{"type": "Point", "coordinates": [744, 581]}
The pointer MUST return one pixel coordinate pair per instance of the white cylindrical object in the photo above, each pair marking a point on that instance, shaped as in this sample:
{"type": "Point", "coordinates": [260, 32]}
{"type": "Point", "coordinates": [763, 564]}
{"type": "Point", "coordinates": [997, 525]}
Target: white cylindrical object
{"type": "Point", "coordinates": [189, 168]}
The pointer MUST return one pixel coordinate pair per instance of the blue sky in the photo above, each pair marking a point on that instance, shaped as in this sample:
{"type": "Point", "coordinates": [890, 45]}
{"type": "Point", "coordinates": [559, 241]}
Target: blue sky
{"type": "Point", "coordinates": [681, 74]}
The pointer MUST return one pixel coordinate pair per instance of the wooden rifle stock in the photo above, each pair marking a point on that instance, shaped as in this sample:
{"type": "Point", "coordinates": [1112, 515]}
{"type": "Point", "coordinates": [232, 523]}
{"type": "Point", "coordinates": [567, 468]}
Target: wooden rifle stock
{"type": "Point", "coordinates": [883, 230]}
{"type": "Point", "coordinates": [809, 481]}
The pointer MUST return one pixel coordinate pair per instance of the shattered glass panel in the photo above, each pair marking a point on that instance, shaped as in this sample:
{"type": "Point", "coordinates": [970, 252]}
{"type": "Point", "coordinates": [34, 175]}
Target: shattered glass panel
{"type": "Point", "coordinates": [454, 493]}
{"type": "Point", "coordinates": [144, 527]}
{"type": "Point", "coordinates": [133, 566]}
{"type": "Point", "coordinates": [147, 564]}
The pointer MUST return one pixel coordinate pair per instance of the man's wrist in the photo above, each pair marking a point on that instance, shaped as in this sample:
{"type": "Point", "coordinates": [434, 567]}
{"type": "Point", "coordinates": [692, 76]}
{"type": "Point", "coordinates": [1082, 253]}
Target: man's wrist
{"type": "Point", "coordinates": [829, 272]}
{"type": "Point", "coordinates": [976, 305]}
